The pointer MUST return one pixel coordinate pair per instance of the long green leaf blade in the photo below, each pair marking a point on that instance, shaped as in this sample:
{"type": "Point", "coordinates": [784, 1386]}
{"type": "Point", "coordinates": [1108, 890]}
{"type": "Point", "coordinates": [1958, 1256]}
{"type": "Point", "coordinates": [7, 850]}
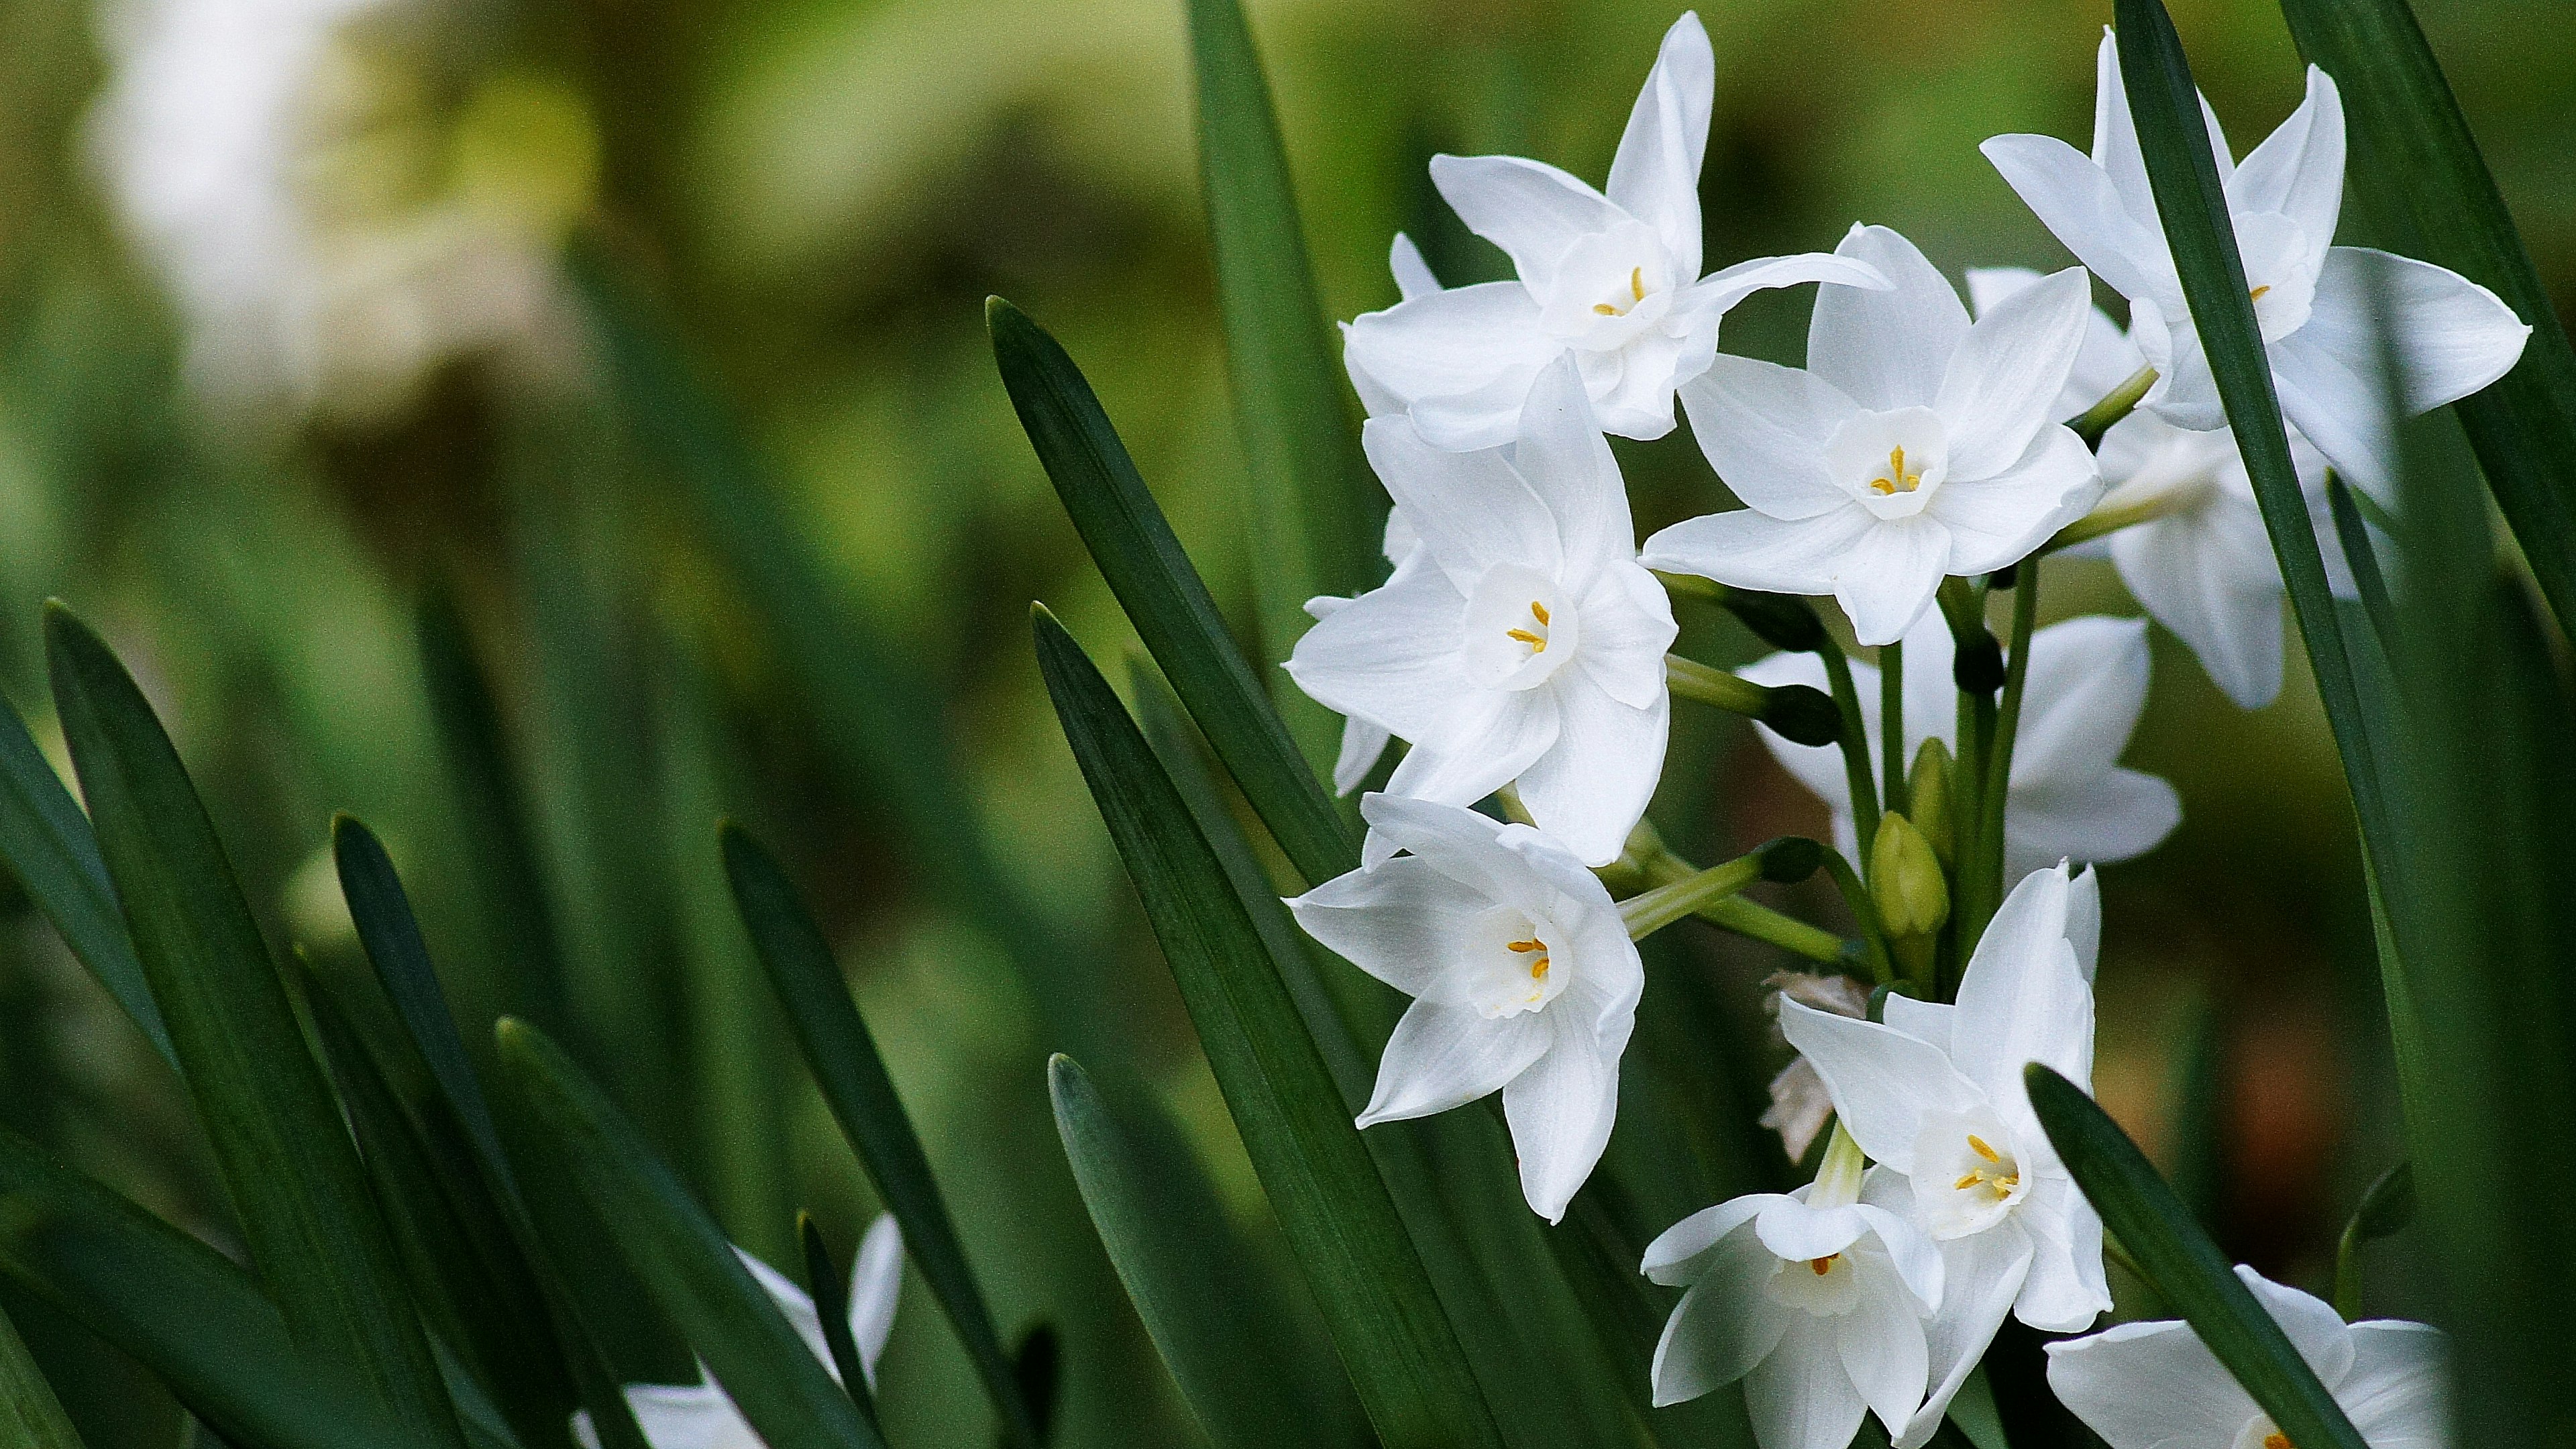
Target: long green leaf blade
{"type": "Point", "coordinates": [2189, 1271]}
{"type": "Point", "coordinates": [683, 1258]}
{"type": "Point", "coordinates": [1186, 1271]}
{"type": "Point", "coordinates": [843, 1057]}
{"type": "Point", "coordinates": [48, 843]}
{"type": "Point", "coordinates": [2428, 191]}
{"type": "Point", "coordinates": [1395, 1341]}
{"type": "Point", "coordinates": [1164, 598]}
{"type": "Point", "coordinates": [279, 1141]}
{"type": "Point", "coordinates": [1313, 508]}
{"type": "Point", "coordinates": [30, 1416]}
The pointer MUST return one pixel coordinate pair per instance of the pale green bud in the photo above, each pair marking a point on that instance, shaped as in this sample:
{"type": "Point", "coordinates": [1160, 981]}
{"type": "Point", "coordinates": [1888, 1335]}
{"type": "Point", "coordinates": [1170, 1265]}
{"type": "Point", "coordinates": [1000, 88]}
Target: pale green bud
{"type": "Point", "coordinates": [1905, 880]}
{"type": "Point", "coordinates": [1928, 798]}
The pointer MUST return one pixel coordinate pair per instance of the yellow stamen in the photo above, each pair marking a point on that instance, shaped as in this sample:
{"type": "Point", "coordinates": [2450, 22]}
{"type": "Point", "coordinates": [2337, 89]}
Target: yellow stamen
{"type": "Point", "coordinates": [1896, 479]}
{"type": "Point", "coordinates": [1536, 642]}
{"type": "Point", "coordinates": [1969, 1181]}
{"type": "Point", "coordinates": [1977, 1145]}
{"type": "Point", "coordinates": [1636, 294]}
{"type": "Point", "coordinates": [1532, 944]}
{"type": "Point", "coordinates": [2277, 1440]}
{"type": "Point", "coordinates": [2256, 296]}
{"type": "Point", "coordinates": [1821, 1266]}
{"type": "Point", "coordinates": [1538, 611]}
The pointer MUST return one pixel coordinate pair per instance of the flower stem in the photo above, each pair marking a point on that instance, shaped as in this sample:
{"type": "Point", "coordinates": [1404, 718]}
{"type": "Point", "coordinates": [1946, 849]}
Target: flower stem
{"type": "Point", "coordinates": [1838, 1176]}
{"type": "Point", "coordinates": [1882, 966]}
{"type": "Point", "coordinates": [2115, 405]}
{"type": "Point", "coordinates": [1734, 913]}
{"type": "Point", "coordinates": [1998, 781]}
{"type": "Point", "coordinates": [1653, 910]}
{"type": "Point", "coordinates": [1855, 740]}
{"type": "Point", "coordinates": [2103, 521]}
{"type": "Point", "coordinates": [1693, 680]}
{"type": "Point", "coordinates": [1891, 725]}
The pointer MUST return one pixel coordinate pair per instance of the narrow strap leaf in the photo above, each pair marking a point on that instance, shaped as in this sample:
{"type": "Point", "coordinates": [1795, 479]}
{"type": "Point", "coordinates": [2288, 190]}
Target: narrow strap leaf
{"type": "Point", "coordinates": [1314, 509]}
{"type": "Point", "coordinates": [824, 1278]}
{"type": "Point", "coordinates": [1146, 568]}
{"type": "Point", "coordinates": [2187, 1268]}
{"type": "Point", "coordinates": [30, 1416]}
{"type": "Point", "coordinates": [843, 1057]}
{"type": "Point", "coordinates": [682, 1258]}
{"type": "Point", "coordinates": [1377, 1299]}
{"type": "Point", "coordinates": [279, 1141]}
{"type": "Point", "coordinates": [2425, 186]}
{"type": "Point", "coordinates": [48, 844]}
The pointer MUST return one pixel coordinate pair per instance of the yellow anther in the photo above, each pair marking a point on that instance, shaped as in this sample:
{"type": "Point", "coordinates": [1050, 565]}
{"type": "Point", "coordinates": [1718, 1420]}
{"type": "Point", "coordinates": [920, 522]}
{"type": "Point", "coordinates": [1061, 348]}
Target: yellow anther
{"type": "Point", "coordinates": [1896, 479]}
{"type": "Point", "coordinates": [1605, 309]}
{"type": "Point", "coordinates": [1536, 642]}
{"type": "Point", "coordinates": [1821, 1266]}
{"type": "Point", "coordinates": [1538, 611]}
{"type": "Point", "coordinates": [2277, 1440]}
{"type": "Point", "coordinates": [1636, 294]}
{"type": "Point", "coordinates": [1977, 1145]}
{"type": "Point", "coordinates": [1532, 944]}
{"type": "Point", "coordinates": [2256, 296]}
{"type": "Point", "coordinates": [1969, 1181]}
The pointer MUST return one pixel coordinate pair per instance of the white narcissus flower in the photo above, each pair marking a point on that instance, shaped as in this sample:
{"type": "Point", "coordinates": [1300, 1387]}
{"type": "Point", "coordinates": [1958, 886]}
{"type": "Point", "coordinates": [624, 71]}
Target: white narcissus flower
{"type": "Point", "coordinates": [2069, 797]}
{"type": "Point", "coordinates": [1935, 1094]}
{"type": "Point", "coordinates": [1916, 444]}
{"type": "Point", "coordinates": [1523, 978]}
{"type": "Point", "coordinates": [701, 1416]}
{"type": "Point", "coordinates": [1815, 1299]}
{"type": "Point", "coordinates": [1522, 641]}
{"type": "Point", "coordinates": [2312, 300]}
{"type": "Point", "coordinates": [1611, 280]}
{"type": "Point", "coordinates": [2157, 1386]}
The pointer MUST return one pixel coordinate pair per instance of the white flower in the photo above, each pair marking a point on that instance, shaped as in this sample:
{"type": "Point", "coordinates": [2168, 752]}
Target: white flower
{"type": "Point", "coordinates": [701, 1416]}
{"type": "Point", "coordinates": [2157, 1386]}
{"type": "Point", "coordinates": [2312, 300]}
{"type": "Point", "coordinates": [1815, 1299]}
{"type": "Point", "coordinates": [1523, 978]}
{"type": "Point", "coordinates": [1936, 1094]}
{"type": "Point", "coordinates": [1521, 641]}
{"type": "Point", "coordinates": [2068, 797]}
{"type": "Point", "coordinates": [1917, 444]}
{"type": "Point", "coordinates": [1363, 741]}
{"type": "Point", "coordinates": [1611, 279]}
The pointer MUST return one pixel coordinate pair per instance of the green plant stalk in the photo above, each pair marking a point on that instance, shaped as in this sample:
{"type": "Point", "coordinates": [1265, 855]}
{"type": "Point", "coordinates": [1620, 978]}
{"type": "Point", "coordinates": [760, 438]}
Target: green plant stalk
{"type": "Point", "coordinates": [2105, 521]}
{"type": "Point", "coordinates": [1653, 910]}
{"type": "Point", "coordinates": [1855, 740]}
{"type": "Point", "coordinates": [1882, 967]}
{"type": "Point", "coordinates": [1997, 794]}
{"type": "Point", "coordinates": [30, 1416]}
{"type": "Point", "coordinates": [829, 1284]}
{"type": "Point", "coordinates": [2116, 404]}
{"type": "Point", "coordinates": [1891, 726]}
{"type": "Point", "coordinates": [1752, 918]}
{"type": "Point", "coordinates": [1693, 680]}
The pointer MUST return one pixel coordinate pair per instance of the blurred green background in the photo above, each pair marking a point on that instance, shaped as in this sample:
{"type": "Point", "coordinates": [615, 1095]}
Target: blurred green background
{"type": "Point", "coordinates": [287, 349]}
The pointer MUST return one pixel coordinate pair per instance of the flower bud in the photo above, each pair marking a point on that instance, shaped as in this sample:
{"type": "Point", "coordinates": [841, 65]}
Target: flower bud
{"type": "Point", "coordinates": [1783, 621]}
{"type": "Point", "coordinates": [1905, 880]}
{"type": "Point", "coordinates": [1927, 798]}
{"type": "Point", "coordinates": [1978, 667]}
{"type": "Point", "coordinates": [1802, 715]}
{"type": "Point", "coordinates": [1790, 859]}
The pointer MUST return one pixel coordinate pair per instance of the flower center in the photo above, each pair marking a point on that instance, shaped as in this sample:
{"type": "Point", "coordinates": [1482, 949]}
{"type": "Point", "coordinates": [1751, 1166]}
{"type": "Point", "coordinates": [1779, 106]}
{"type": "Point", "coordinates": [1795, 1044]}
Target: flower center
{"type": "Point", "coordinates": [1536, 639]}
{"type": "Point", "coordinates": [1896, 479]}
{"type": "Point", "coordinates": [1995, 1178]}
{"type": "Point", "coordinates": [1534, 951]}
{"type": "Point", "coordinates": [1519, 628]}
{"type": "Point", "coordinates": [1618, 307]}
{"type": "Point", "coordinates": [1824, 1265]}
{"type": "Point", "coordinates": [1510, 966]}
{"type": "Point", "coordinates": [1893, 461]}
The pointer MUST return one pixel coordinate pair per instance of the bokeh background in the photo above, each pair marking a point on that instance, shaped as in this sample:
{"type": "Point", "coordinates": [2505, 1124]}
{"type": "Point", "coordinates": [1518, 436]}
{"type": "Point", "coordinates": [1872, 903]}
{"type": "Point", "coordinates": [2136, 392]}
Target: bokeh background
{"type": "Point", "coordinates": [298, 405]}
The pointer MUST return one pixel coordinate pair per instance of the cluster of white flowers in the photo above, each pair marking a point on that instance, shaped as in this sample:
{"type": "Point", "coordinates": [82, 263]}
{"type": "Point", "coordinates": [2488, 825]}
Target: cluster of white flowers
{"type": "Point", "coordinates": [1519, 649]}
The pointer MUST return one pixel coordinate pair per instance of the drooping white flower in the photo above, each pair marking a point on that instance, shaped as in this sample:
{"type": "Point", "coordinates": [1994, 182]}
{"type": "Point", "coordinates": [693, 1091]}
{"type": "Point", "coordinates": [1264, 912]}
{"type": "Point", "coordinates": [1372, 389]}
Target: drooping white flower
{"type": "Point", "coordinates": [702, 1416]}
{"type": "Point", "coordinates": [1799, 1106]}
{"type": "Point", "coordinates": [2069, 798]}
{"type": "Point", "coordinates": [1815, 1299]}
{"type": "Point", "coordinates": [1935, 1094]}
{"type": "Point", "coordinates": [1522, 641]}
{"type": "Point", "coordinates": [1916, 444]}
{"type": "Point", "coordinates": [1613, 280]}
{"type": "Point", "coordinates": [2157, 1386]}
{"type": "Point", "coordinates": [2312, 300]}
{"type": "Point", "coordinates": [1523, 978]}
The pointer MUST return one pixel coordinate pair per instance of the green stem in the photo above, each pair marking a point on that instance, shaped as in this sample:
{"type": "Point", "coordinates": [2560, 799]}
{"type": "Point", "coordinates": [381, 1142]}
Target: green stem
{"type": "Point", "coordinates": [1748, 918]}
{"type": "Point", "coordinates": [1693, 680]}
{"type": "Point", "coordinates": [1873, 935]}
{"type": "Point", "coordinates": [1891, 728]}
{"type": "Point", "coordinates": [2103, 521]}
{"type": "Point", "coordinates": [1998, 782]}
{"type": "Point", "coordinates": [2115, 405]}
{"type": "Point", "coordinates": [1855, 742]}
{"type": "Point", "coordinates": [1653, 910]}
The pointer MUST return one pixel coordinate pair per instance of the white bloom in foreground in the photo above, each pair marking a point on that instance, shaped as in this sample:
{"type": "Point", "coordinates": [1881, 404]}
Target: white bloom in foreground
{"type": "Point", "coordinates": [700, 1416]}
{"type": "Point", "coordinates": [1522, 641]}
{"type": "Point", "coordinates": [1815, 1299]}
{"type": "Point", "coordinates": [1936, 1094]}
{"type": "Point", "coordinates": [2157, 1386]}
{"type": "Point", "coordinates": [1611, 279]}
{"type": "Point", "coordinates": [1363, 741]}
{"type": "Point", "coordinates": [1523, 978]}
{"type": "Point", "coordinates": [2069, 797]}
{"type": "Point", "coordinates": [1916, 444]}
{"type": "Point", "coordinates": [2313, 300]}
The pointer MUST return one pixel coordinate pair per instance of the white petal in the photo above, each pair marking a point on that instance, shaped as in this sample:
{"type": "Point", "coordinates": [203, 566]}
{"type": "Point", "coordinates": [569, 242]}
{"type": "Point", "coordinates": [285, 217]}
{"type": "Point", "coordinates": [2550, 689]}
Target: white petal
{"type": "Point", "coordinates": [1886, 578]}
{"type": "Point", "coordinates": [1627, 626]}
{"type": "Point", "coordinates": [2114, 817]}
{"type": "Point", "coordinates": [1916, 1261]}
{"type": "Point", "coordinates": [1764, 427]}
{"type": "Point", "coordinates": [1413, 276]}
{"type": "Point", "coordinates": [1590, 789]}
{"type": "Point", "coordinates": [1472, 510]}
{"type": "Point", "coordinates": [1795, 1231]}
{"type": "Point", "coordinates": [1494, 736]}
{"type": "Point", "coordinates": [1882, 1080]}
{"type": "Point", "coordinates": [1362, 745]}
{"type": "Point", "coordinates": [1982, 1273]}
{"type": "Point", "coordinates": [2083, 922]}
{"type": "Point", "coordinates": [1722, 1327]}
{"type": "Point", "coordinates": [876, 1280]}
{"type": "Point", "coordinates": [2001, 386]}
{"type": "Point", "coordinates": [1442, 1056]}
{"type": "Point", "coordinates": [1800, 1397]}
{"type": "Point", "coordinates": [1886, 350]}
{"type": "Point", "coordinates": [1561, 1110]}
{"type": "Point", "coordinates": [2150, 1386]}
{"type": "Point", "coordinates": [1457, 842]}
{"type": "Point", "coordinates": [2208, 575]}
{"type": "Point", "coordinates": [2298, 170]}
{"type": "Point", "coordinates": [2335, 401]}
{"type": "Point", "coordinates": [697, 1417]}
{"type": "Point", "coordinates": [2066, 1289]}
{"type": "Point", "coordinates": [2115, 134]}
{"type": "Point", "coordinates": [1446, 343]}
{"type": "Point", "coordinates": [1563, 459]}
{"type": "Point", "coordinates": [1528, 208]}
{"type": "Point", "coordinates": [1400, 920]}
{"type": "Point", "coordinates": [1655, 177]}
{"type": "Point", "coordinates": [2452, 335]}
{"type": "Point", "coordinates": [2087, 685]}
{"type": "Point", "coordinates": [1881, 1345]}
{"type": "Point", "coordinates": [1713, 295]}
{"type": "Point", "coordinates": [1638, 402]}
{"type": "Point", "coordinates": [2314, 1328]}
{"type": "Point", "coordinates": [2079, 203]}
{"type": "Point", "coordinates": [1924, 1020]}
{"type": "Point", "coordinates": [2022, 999]}
{"type": "Point", "coordinates": [1999, 520]}
{"type": "Point", "coordinates": [2395, 1394]}
{"type": "Point", "coordinates": [1753, 551]}
{"type": "Point", "coordinates": [1681, 1253]}
{"type": "Point", "coordinates": [1390, 656]}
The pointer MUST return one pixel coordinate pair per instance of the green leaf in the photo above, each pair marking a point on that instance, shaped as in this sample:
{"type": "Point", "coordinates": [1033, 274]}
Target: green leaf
{"type": "Point", "coordinates": [30, 1416]}
{"type": "Point", "coordinates": [179, 1308]}
{"type": "Point", "coordinates": [2186, 1267]}
{"type": "Point", "coordinates": [844, 1059]}
{"type": "Point", "coordinates": [2417, 173]}
{"type": "Point", "coordinates": [682, 1257]}
{"type": "Point", "coordinates": [829, 1284]}
{"type": "Point", "coordinates": [279, 1142]}
{"type": "Point", "coordinates": [47, 842]}
{"type": "Point", "coordinates": [1137, 553]}
{"type": "Point", "coordinates": [1314, 510]}
{"type": "Point", "coordinates": [1189, 1275]}
{"type": "Point", "coordinates": [1378, 1302]}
